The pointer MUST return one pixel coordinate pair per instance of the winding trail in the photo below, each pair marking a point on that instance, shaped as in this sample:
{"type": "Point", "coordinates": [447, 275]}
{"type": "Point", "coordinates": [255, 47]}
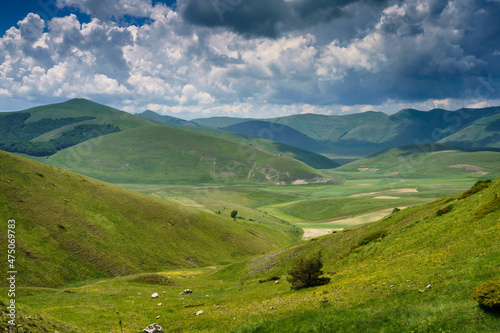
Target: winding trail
{"type": "Point", "coordinates": [324, 227]}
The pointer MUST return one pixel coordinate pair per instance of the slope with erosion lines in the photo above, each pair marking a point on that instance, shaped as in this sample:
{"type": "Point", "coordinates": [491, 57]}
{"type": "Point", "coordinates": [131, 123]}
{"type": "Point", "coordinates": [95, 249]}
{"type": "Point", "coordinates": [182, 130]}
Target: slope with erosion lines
{"type": "Point", "coordinates": [72, 228]}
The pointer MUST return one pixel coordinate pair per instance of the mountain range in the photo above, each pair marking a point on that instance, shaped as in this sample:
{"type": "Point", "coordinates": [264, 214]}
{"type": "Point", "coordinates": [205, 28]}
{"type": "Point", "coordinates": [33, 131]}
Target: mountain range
{"type": "Point", "coordinates": [367, 133]}
{"type": "Point", "coordinates": [119, 147]}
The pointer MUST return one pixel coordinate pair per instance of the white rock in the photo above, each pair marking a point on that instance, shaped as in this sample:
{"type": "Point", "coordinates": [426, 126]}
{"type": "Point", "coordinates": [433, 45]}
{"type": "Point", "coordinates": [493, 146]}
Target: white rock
{"type": "Point", "coordinates": [153, 328]}
{"type": "Point", "coordinates": [200, 312]}
{"type": "Point", "coordinates": [155, 295]}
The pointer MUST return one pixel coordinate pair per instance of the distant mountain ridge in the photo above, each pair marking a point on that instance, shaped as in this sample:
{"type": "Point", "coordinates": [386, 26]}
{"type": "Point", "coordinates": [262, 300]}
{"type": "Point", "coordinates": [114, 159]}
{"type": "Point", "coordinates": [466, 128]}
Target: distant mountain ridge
{"type": "Point", "coordinates": [370, 132]}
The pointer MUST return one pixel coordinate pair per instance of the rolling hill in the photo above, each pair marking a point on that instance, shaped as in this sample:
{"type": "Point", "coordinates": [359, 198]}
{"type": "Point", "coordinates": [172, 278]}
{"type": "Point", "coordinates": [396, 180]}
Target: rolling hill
{"type": "Point", "coordinates": [151, 115]}
{"type": "Point", "coordinates": [44, 130]}
{"type": "Point", "coordinates": [484, 132]}
{"type": "Point", "coordinates": [363, 134]}
{"type": "Point", "coordinates": [276, 132]}
{"type": "Point", "coordinates": [162, 154]}
{"type": "Point", "coordinates": [72, 228]}
{"type": "Point", "coordinates": [310, 158]}
{"type": "Point", "coordinates": [432, 160]}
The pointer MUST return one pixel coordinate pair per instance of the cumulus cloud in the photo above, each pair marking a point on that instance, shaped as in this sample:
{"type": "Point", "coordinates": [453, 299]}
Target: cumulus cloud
{"type": "Point", "coordinates": [110, 8]}
{"type": "Point", "coordinates": [308, 56]}
{"type": "Point", "coordinates": [269, 18]}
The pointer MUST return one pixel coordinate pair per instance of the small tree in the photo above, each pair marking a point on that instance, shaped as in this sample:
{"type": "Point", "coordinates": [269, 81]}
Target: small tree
{"type": "Point", "coordinates": [306, 272]}
{"type": "Point", "coordinates": [234, 213]}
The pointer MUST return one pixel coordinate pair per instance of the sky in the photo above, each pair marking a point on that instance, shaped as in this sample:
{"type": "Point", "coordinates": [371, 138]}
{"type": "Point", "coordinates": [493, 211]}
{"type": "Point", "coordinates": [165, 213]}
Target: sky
{"type": "Point", "coordinates": [251, 58]}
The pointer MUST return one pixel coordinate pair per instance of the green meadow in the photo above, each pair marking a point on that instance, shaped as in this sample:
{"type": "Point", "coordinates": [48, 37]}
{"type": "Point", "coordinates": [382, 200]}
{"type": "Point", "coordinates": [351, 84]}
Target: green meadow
{"type": "Point", "coordinates": [416, 275]}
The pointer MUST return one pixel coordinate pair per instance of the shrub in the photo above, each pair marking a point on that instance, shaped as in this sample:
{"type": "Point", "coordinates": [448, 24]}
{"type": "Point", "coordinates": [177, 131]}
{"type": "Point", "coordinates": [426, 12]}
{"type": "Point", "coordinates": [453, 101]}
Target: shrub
{"type": "Point", "coordinates": [488, 295]}
{"type": "Point", "coordinates": [234, 213]}
{"type": "Point", "coordinates": [306, 272]}
{"type": "Point", "coordinates": [478, 186]}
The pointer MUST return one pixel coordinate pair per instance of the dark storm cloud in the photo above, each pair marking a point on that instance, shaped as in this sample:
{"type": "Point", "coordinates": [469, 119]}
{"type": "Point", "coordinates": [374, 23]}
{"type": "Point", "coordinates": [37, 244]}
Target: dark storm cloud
{"type": "Point", "coordinates": [266, 18]}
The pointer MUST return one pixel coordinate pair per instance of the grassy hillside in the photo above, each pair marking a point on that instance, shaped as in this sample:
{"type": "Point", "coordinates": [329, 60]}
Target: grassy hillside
{"type": "Point", "coordinates": [219, 122]}
{"type": "Point", "coordinates": [77, 107]}
{"type": "Point", "coordinates": [276, 132]}
{"type": "Point", "coordinates": [430, 161]}
{"type": "Point", "coordinates": [151, 115]}
{"type": "Point", "coordinates": [330, 128]}
{"type": "Point", "coordinates": [161, 154]}
{"type": "Point", "coordinates": [375, 287]}
{"type": "Point", "coordinates": [44, 130]}
{"type": "Point", "coordinates": [71, 228]}
{"type": "Point", "coordinates": [481, 133]}
{"type": "Point", "coordinates": [413, 271]}
{"type": "Point", "coordinates": [314, 160]}
{"type": "Point", "coordinates": [369, 132]}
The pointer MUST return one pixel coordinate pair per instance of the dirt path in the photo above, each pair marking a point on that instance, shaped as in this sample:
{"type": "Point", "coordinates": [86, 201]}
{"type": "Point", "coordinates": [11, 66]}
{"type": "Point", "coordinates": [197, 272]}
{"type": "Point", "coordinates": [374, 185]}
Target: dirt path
{"type": "Point", "coordinates": [324, 227]}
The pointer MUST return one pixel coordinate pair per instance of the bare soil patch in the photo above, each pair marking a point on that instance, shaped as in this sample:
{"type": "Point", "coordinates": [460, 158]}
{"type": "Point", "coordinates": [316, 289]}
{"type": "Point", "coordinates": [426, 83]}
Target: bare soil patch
{"type": "Point", "coordinates": [467, 167]}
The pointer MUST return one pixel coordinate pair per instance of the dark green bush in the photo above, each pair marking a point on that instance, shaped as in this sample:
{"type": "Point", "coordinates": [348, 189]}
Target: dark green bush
{"type": "Point", "coordinates": [478, 186]}
{"type": "Point", "coordinates": [306, 272]}
{"type": "Point", "coordinates": [488, 295]}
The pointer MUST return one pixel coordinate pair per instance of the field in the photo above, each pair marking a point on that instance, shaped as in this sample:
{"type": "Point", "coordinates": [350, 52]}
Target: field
{"type": "Point", "coordinates": [380, 259]}
{"type": "Point", "coordinates": [416, 276]}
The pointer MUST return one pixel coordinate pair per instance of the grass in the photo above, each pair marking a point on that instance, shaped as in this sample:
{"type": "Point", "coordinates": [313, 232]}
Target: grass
{"type": "Point", "coordinates": [72, 228]}
{"type": "Point", "coordinates": [374, 284]}
{"type": "Point", "coordinates": [160, 154]}
{"type": "Point", "coordinates": [312, 159]}
{"type": "Point", "coordinates": [426, 162]}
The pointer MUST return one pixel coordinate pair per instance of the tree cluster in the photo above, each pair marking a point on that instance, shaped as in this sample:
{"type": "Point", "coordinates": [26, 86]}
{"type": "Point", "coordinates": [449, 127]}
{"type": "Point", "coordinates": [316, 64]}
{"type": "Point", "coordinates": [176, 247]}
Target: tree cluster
{"type": "Point", "coordinates": [15, 134]}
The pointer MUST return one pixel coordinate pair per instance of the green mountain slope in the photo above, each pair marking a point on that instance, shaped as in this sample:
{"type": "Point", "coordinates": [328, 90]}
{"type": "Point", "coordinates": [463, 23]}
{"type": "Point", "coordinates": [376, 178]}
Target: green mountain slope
{"type": "Point", "coordinates": [366, 133]}
{"type": "Point", "coordinates": [151, 115]}
{"type": "Point", "coordinates": [330, 128]}
{"type": "Point", "coordinates": [484, 132]}
{"type": "Point", "coordinates": [219, 122]}
{"type": "Point", "coordinates": [434, 160]}
{"type": "Point", "coordinates": [44, 130]}
{"type": "Point", "coordinates": [412, 271]}
{"type": "Point", "coordinates": [71, 228]}
{"type": "Point", "coordinates": [312, 159]}
{"type": "Point", "coordinates": [276, 132]}
{"type": "Point", "coordinates": [161, 154]}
